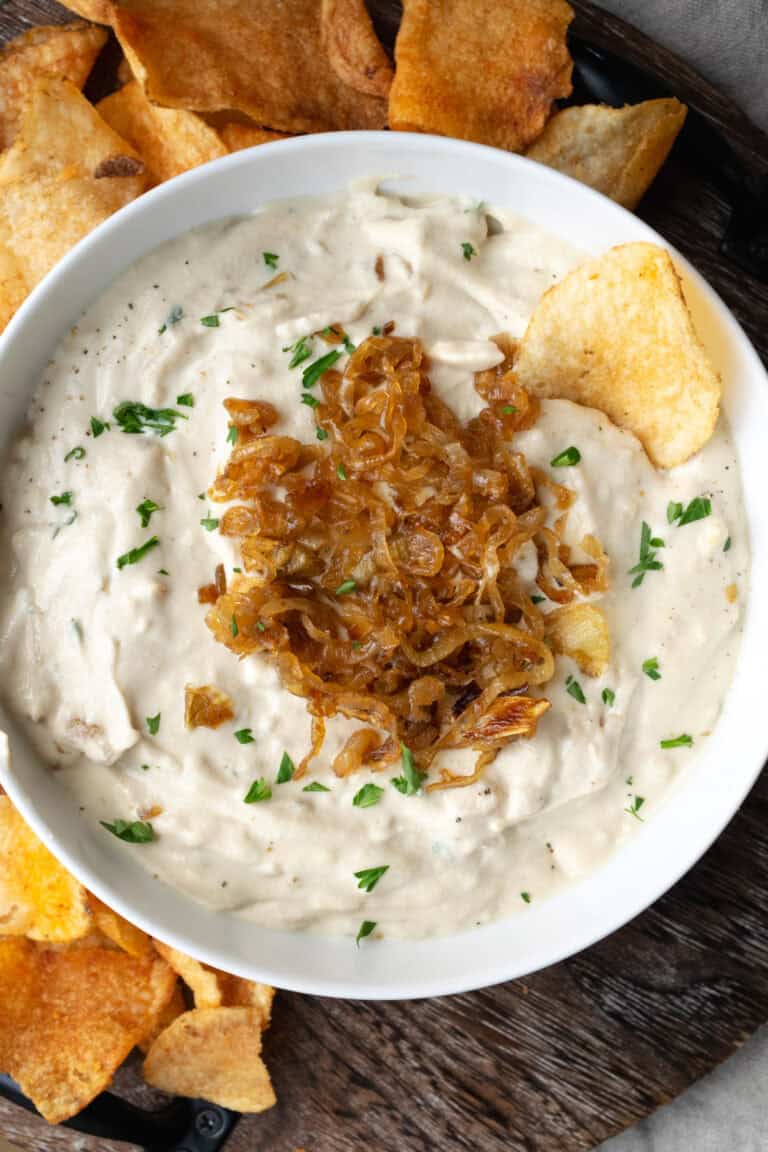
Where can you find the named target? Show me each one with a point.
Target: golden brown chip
(616, 334)
(13, 286)
(214, 989)
(127, 936)
(99, 11)
(238, 134)
(68, 1018)
(38, 898)
(353, 48)
(581, 632)
(67, 51)
(206, 706)
(618, 151)
(480, 70)
(169, 140)
(49, 196)
(175, 1006)
(262, 58)
(213, 1053)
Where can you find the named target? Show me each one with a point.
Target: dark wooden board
(569, 1056)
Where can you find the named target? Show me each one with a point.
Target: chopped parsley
(259, 623)
(211, 321)
(674, 511)
(78, 629)
(312, 374)
(286, 770)
(368, 795)
(573, 688)
(270, 259)
(341, 472)
(163, 572)
(349, 347)
(364, 930)
(508, 410)
(136, 554)
(609, 697)
(346, 587)
(186, 400)
(698, 509)
(237, 569)
(172, 318)
(525, 896)
(368, 878)
(74, 454)
(301, 350)
(315, 786)
(321, 434)
(153, 724)
(538, 599)
(727, 545)
(232, 435)
(244, 736)
(136, 418)
(233, 626)
(210, 523)
(310, 400)
(651, 668)
(98, 426)
(132, 831)
(634, 807)
(647, 561)
(682, 741)
(257, 792)
(65, 498)
(145, 510)
(411, 780)
(375, 331)
(468, 250)
(566, 459)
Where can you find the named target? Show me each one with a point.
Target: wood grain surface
(569, 1056)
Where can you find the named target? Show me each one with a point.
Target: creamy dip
(90, 651)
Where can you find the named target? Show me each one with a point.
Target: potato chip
(67, 51)
(127, 936)
(263, 59)
(214, 1053)
(49, 195)
(616, 334)
(38, 898)
(353, 47)
(214, 989)
(168, 140)
(100, 11)
(68, 1018)
(238, 134)
(13, 286)
(617, 151)
(175, 1006)
(480, 70)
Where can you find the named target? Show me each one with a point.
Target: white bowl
(706, 796)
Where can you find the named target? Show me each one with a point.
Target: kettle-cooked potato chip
(169, 140)
(353, 48)
(51, 193)
(100, 11)
(263, 59)
(616, 334)
(69, 1018)
(67, 51)
(214, 989)
(126, 935)
(13, 286)
(213, 1053)
(238, 134)
(618, 151)
(479, 69)
(175, 1006)
(38, 898)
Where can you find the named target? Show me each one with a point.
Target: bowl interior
(705, 797)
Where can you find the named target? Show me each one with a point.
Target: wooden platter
(570, 1056)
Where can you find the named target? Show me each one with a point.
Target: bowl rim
(488, 961)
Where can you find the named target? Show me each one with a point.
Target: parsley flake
(211, 321)
(651, 668)
(286, 770)
(65, 498)
(682, 741)
(136, 418)
(341, 472)
(368, 878)
(321, 434)
(526, 896)
(368, 795)
(257, 792)
(508, 410)
(698, 509)
(132, 832)
(233, 626)
(674, 511)
(468, 250)
(301, 350)
(270, 259)
(153, 724)
(609, 697)
(315, 786)
(312, 374)
(210, 523)
(346, 587)
(538, 599)
(145, 510)
(364, 930)
(727, 545)
(647, 561)
(172, 318)
(310, 400)
(634, 807)
(98, 426)
(573, 688)
(186, 400)
(232, 434)
(244, 736)
(566, 459)
(74, 454)
(136, 554)
(411, 780)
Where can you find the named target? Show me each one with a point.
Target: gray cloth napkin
(727, 42)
